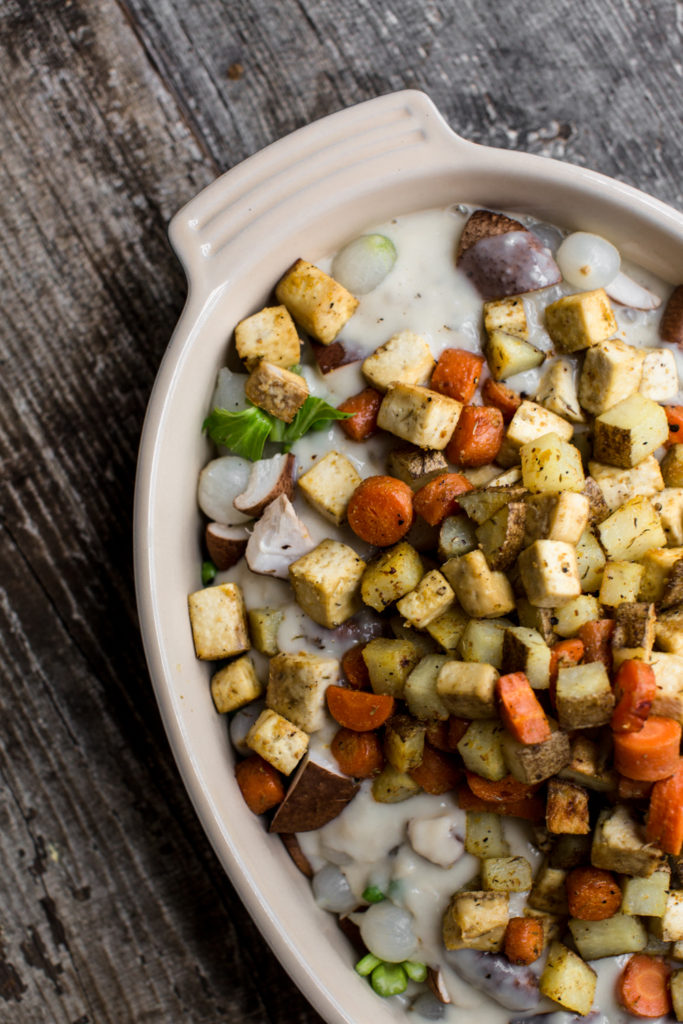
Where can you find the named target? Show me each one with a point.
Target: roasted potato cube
(631, 531)
(502, 536)
(575, 613)
(553, 924)
(276, 390)
(456, 537)
(578, 321)
(551, 465)
(418, 414)
(620, 844)
(669, 631)
(326, 582)
(620, 583)
(669, 504)
(658, 566)
(269, 334)
(507, 354)
(481, 750)
(278, 741)
(532, 421)
(540, 619)
(566, 809)
(676, 986)
(668, 670)
(406, 358)
(506, 315)
(535, 762)
(481, 592)
(506, 874)
(389, 663)
(482, 640)
(468, 689)
(525, 650)
(235, 685)
(483, 503)
(550, 573)
(587, 766)
(420, 693)
(669, 927)
(328, 486)
(590, 560)
(318, 303)
(477, 913)
(659, 379)
(568, 980)
(264, 625)
(404, 741)
(598, 507)
(611, 937)
(634, 631)
(219, 623)
(646, 897)
(422, 642)
(672, 466)
(618, 485)
(557, 391)
(611, 371)
(584, 697)
(392, 786)
(448, 628)
(549, 891)
(431, 598)
(396, 572)
(484, 835)
(296, 687)
(415, 466)
(629, 431)
(569, 517)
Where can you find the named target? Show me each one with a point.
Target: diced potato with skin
(576, 613)
(421, 642)
(481, 750)
(326, 582)
(506, 874)
(404, 741)
(482, 640)
(482, 504)
(277, 741)
(405, 357)
(676, 987)
(620, 844)
(468, 689)
(618, 485)
(389, 663)
(613, 936)
(478, 912)
(539, 619)
(536, 762)
(660, 377)
(219, 623)
(502, 536)
(392, 786)
(669, 504)
(392, 575)
(551, 465)
(318, 303)
(484, 835)
(668, 671)
(269, 334)
(611, 371)
(591, 561)
(449, 627)
(646, 897)
(482, 592)
(598, 507)
(672, 593)
(629, 431)
(420, 693)
(620, 583)
(430, 599)
(587, 766)
(532, 421)
(568, 980)
(566, 808)
(672, 466)
(669, 631)
(456, 537)
(549, 890)
(508, 355)
(525, 650)
(634, 631)
(415, 466)
(631, 531)
(557, 391)
(276, 390)
(419, 415)
(578, 321)
(506, 315)
(235, 685)
(328, 486)
(550, 573)
(584, 697)
(297, 685)
(568, 516)
(264, 624)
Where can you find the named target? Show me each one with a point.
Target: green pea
(415, 971)
(389, 979)
(373, 894)
(209, 571)
(367, 964)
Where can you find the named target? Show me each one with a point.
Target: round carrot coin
(380, 511)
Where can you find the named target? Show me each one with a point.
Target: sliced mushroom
(278, 539)
(268, 479)
(331, 357)
(225, 544)
(627, 292)
(437, 984)
(671, 327)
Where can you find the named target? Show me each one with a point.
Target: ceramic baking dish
(305, 196)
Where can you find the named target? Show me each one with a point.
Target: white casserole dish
(305, 196)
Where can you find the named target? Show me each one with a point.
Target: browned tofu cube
(583, 696)
(566, 809)
(269, 334)
(317, 302)
(276, 390)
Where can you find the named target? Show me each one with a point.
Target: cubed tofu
(297, 685)
(532, 421)
(484, 835)
(672, 466)
(631, 531)
(568, 980)
(670, 928)
(587, 766)
(507, 355)
(612, 936)
(389, 663)
(581, 320)
(550, 573)
(501, 537)
(276, 390)
(668, 672)
(477, 912)
(318, 303)
(611, 371)
(557, 391)
(468, 689)
(269, 334)
(420, 693)
(536, 762)
(620, 844)
(392, 786)
(620, 583)
(669, 504)
(575, 613)
(430, 599)
(449, 627)
(646, 897)
(551, 465)
(660, 377)
(482, 592)
(235, 685)
(584, 697)
(326, 583)
(328, 486)
(415, 466)
(566, 809)
(219, 623)
(481, 749)
(277, 741)
(549, 890)
(590, 560)
(482, 640)
(264, 626)
(629, 431)
(506, 315)
(419, 415)
(392, 575)
(506, 874)
(404, 740)
(618, 485)
(406, 358)
(525, 650)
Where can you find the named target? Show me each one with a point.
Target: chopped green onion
(209, 571)
(367, 964)
(415, 971)
(389, 979)
(373, 894)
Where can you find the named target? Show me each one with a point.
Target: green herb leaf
(244, 432)
(314, 414)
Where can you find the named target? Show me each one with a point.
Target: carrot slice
(260, 784)
(507, 789)
(635, 689)
(358, 754)
(438, 499)
(504, 398)
(354, 668)
(380, 511)
(477, 437)
(597, 641)
(665, 816)
(592, 894)
(650, 754)
(643, 986)
(457, 374)
(437, 772)
(364, 408)
(520, 711)
(674, 414)
(523, 940)
(531, 809)
(358, 710)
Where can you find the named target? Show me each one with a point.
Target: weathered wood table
(113, 907)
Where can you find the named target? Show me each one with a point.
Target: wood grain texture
(113, 907)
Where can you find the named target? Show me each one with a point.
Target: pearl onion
(387, 931)
(332, 891)
(364, 263)
(588, 261)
